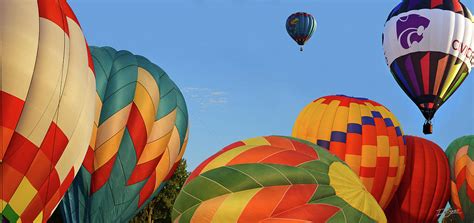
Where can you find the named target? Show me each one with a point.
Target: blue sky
(242, 75)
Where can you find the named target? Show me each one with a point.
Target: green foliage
(159, 209)
(450, 216)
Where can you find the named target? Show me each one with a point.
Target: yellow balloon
(364, 134)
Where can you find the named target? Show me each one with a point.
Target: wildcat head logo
(410, 29)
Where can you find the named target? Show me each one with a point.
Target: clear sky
(243, 76)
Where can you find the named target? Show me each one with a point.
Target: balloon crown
(301, 13)
(358, 98)
(422, 1)
(431, 3)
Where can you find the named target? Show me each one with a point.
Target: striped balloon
(274, 179)
(140, 136)
(424, 189)
(461, 160)
(429, 48)
(364, 134)
(47, 105)
(301, 26)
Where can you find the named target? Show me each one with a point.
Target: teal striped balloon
(140, 135)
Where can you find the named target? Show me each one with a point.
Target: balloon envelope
(363, 133)
(424, 190)
(47, 90)
(300, 26)
(429, 48)
(461, 160)
(274, 179)
(140, 135)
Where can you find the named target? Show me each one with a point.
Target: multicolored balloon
(424, 190)
(274, 179)
(429, 48)
(47, 106)
(139, 138)
(301, 26)
(364, 134)
(461, 160)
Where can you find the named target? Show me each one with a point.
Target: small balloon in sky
(301, 26)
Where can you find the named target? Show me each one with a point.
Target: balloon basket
(301, 49)
(428, 128)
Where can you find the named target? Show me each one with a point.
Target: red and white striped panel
(47, 95)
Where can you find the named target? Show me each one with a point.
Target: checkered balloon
(364, 134)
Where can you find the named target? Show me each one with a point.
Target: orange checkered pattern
(364, 134)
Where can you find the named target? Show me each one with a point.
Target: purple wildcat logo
(410, 29)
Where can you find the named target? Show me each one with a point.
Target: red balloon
(424, 190)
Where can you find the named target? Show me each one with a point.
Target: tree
(450, 216)
(159, 209)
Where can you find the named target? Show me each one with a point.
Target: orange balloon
(424, 189)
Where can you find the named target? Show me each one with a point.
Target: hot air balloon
(461, 160)
(274, 179)
(141, 126)
(363, 133)
(47, 90)
(429, 48)
(424, 190)
(301, 26)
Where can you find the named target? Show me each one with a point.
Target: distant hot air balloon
(429, 48)
(301, 26)
(274, 179)
(424, 190)
(140, 136)
(364, 134)
(461, 160)
(47, 106)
